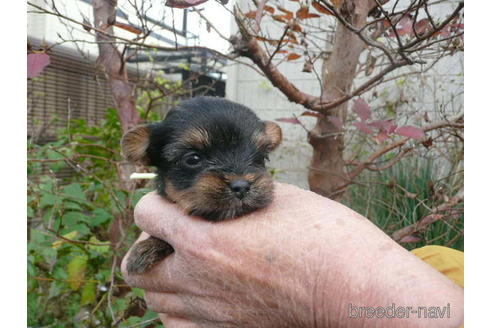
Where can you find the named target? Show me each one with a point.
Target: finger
(170, 303)
(176, 322)
(167, 221)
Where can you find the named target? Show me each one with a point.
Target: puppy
(210, 158)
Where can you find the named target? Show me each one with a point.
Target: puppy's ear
(273, 134)
(134, 145)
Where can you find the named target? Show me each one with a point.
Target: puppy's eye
(192, 160)
(260, 160)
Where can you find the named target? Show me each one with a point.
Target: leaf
(270, 9)
(405, 26)
(101, 216)
(98, 249)
(313, 114)
(293, 56)
(88, 294)
(304, 13)
(381, 137)
(71, 235)
(280, 18)
(74, 190)
(296, 27)
(422, 26)
(36, 64)
(386, 126)
(47, 200)
(129, 28)
(72, 218)
(76, 271)
(362, 109)
(292, 120)
(288, 14)
(184, 3)
(363, 127)
(251, 14)
(410, 239)
(320, 8)
(410, 131)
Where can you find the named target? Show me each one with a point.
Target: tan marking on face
(251, 177)
(134, 144)
(270, 138)
(199, 196)
(196, 137)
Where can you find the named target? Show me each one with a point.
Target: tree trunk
(327, 170)
(124, 97)
(114, 65)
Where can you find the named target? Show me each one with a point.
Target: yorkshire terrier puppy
(210, 158)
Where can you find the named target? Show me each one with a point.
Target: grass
(404, 194)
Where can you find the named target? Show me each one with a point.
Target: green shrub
(73, 274)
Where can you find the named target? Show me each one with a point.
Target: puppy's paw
(147, 253)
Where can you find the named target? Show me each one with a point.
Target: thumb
(167, 221)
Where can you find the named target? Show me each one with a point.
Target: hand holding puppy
(300, 262)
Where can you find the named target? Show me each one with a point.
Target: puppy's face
(210, 156)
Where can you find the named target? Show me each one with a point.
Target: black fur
(201, 147)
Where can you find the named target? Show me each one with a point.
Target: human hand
(300, 262)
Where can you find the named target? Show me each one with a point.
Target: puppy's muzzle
(239, 188)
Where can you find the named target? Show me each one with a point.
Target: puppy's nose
(239, 188)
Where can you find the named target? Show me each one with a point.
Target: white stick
(146, 176)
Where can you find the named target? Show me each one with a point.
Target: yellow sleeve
(448, 261)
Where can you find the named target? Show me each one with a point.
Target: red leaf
(381, 137)
(379, 124)
(251, 14)
(410, 131)
(292, 120)
(410, 239)
(270, 9)
(422, 26)
(304, 13)
(391, 128)
(405, 26)
(313, 114)
(128, 28)
(36, 63)
(336, 121)
(184, 3)
(288, 14)
(280, 18)
(385, 126)
(321, 8)
(296, 27)
(293, 56)
(362, 109)
(363, 127)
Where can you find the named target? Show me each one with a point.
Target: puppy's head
(210, 157)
